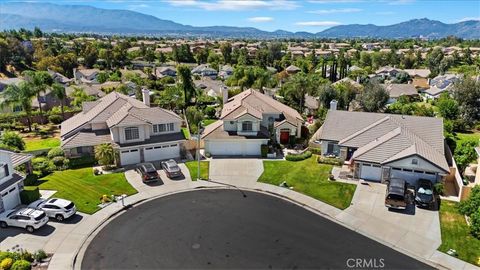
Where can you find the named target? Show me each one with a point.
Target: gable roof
(396, 90)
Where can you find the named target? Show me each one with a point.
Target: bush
(21, 265)
(330, 161)
(210, 112)
(6, 263)
(12, 139)
(61, 163)
(315, 150)
(43, 165)
(439, 188)
(264, 150)
(29, 194)
(30, 180)
(55, 152)
(475, 224)
(55, 119)
(27, 256)
(299, 157)
(40, 255)
(81, 162)
(5, 254)
(472, 204)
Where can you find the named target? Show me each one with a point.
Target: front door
(284, 136)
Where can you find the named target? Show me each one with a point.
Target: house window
(247, 126)
(3, 170)
(131, 133)
(415, 161)
(159, 128)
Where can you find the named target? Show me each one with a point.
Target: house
(213, 88)
(59, 78)
(396, 90)
(380, 146)
(205, 71)
(161, 72)
(439, 85)
(138, 132)
(292, 69)
(419, 77)
(85, 75)
(4, 83)
(91, 90)
(11, 182)
(225, 72)
(387, 72)
(249, 120)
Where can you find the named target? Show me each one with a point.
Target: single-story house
(380, 146)
(396, 90)
(161, 72)
(85, 75)
(205, 70)
(249, 120)
(11, 182)
(419, 77)
(138, 132)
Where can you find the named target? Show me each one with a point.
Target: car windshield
(173, 167)
(425, 191)
(395, 197)
(40, 217)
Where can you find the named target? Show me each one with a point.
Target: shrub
(6, 263)
(5, 254)
(61, 163)
(21, 265)
(472, 204)
(55, 119)
(29, 194)
(264, 150)
(210, 112)
(27, 256)
(475, 224)
(329, 161)
(298, 157)
(81, 162)
(439, 188)
(30, 180)
(315, 150)
(40, 255)
(207, 154)
(42, 165)
(12, 139)
(55, 152)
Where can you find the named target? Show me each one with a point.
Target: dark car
(148, 172)
(395, 196)
(171, 168)
(424, 196)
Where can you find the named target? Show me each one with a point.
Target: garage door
(371, 172)
(412, 176)
(161, 152)
(234, 148)
(128, 157)
(10, 198)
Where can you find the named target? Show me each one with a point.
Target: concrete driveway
(240, 172)
(416, 230)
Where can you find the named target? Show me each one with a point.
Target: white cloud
(260, 19)
(332, 11)
(318, 23)
(234, 5)
(469, 19)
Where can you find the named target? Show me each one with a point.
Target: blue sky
(307, 15)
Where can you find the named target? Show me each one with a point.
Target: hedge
(264, 150)
(315, 150)
(82, 162)
(330, 161)
(298, 157)
(29, 194)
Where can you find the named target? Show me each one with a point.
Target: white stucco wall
(422, 164)
(7, 159)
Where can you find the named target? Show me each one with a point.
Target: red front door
(284, 136)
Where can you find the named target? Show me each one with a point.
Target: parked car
(171, 168)
(395, 196)
(28, 218)
(58, 209)
(148, 172)
(424, 196)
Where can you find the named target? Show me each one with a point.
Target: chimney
(146, 96)
(333, 105)
(224, 94)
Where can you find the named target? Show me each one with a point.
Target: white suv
(59, 209)
(28, 218)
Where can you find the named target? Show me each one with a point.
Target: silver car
(58, 209)
(171, 168)
(28, 218)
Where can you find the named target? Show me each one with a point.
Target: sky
(292, 15)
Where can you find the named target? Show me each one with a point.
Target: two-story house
(249, 120)
(11, 182)
(138, 132)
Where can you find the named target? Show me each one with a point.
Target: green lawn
(33, 144)
(193, 168)
(467, 136)
(84, 188)
(207, 122)
(310, 178)
(456, 234)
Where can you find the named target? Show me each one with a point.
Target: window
(131, 133)
(247, 126)
(159, 128)
(415, 161)
(3, 170)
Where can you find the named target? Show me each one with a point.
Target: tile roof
(396, 90)
(216, 131)
(424, 73)
(88, 138)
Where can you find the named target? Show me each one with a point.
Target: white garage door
(371, 172)
(161, 152)
(248, 148)
(412, 176)
(128, 157)
(11, 198)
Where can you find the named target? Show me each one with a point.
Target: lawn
(84, 188)
(186, 133)
(310, 178)
(193, 168)
(36, 143)
(207, 122)
(467, 136)
(456, 234)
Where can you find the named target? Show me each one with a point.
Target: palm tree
(297, 87)
(105, 154)
(39, 81)
(19, 95)
(186, 83)
(262, 78)
(59, 92)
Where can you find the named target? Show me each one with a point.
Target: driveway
(416, 230)
(240, 172)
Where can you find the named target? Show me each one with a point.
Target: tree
(105, 154)
(58, 91)
(471, 207)
(79, 96)
(201, 56)
(296, 88)
(226, 50)
(374, 97)
(13, 140)
(465, 153)
(326, 93)
(39, 81)
(433, 61)
(20, 95)
(447, 107)
(262, 78)
(171, 98)
(90, 55)
(214, 60)
(467, 93)
(345, 93)
(184, 77)
(194, 116)
(37, 32)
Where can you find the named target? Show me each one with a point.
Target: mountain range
(87, 19)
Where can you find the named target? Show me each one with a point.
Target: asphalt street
(221, 229)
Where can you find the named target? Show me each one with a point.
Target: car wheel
(30, 229)
(3, 224)
(59, 217)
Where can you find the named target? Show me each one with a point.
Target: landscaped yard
(37, 143)
(467, 136)
(84, 188)
(193, 169)
(207, 122)
(456, 234)
(310, 178)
